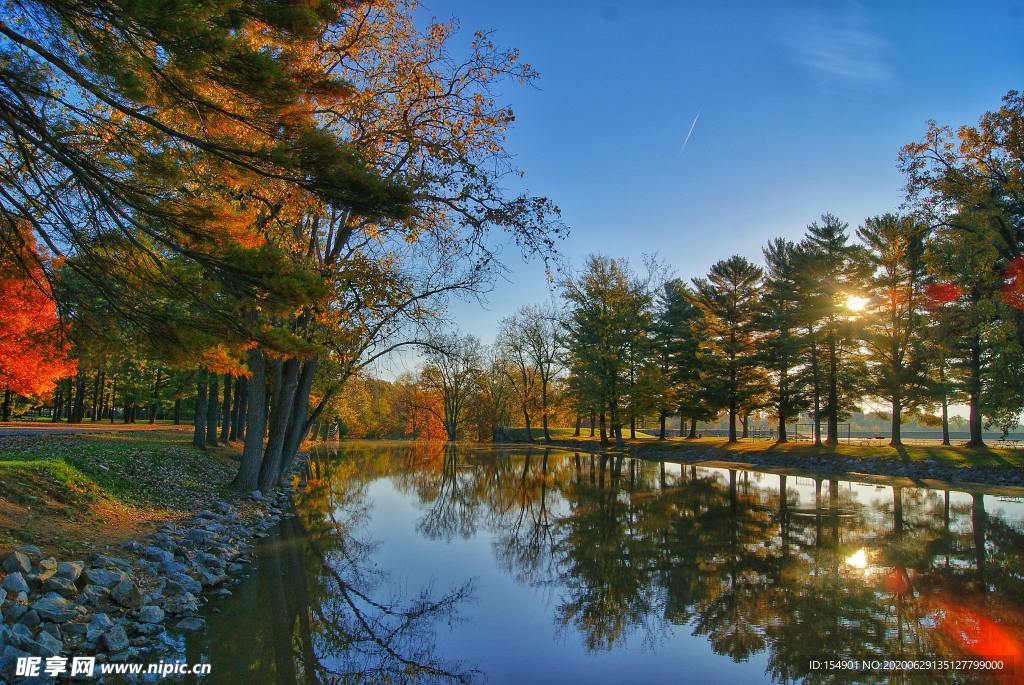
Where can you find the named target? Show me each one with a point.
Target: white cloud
(837, 46)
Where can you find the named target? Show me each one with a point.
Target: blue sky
(802, 109)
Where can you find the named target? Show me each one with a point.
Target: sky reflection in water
(421, 562)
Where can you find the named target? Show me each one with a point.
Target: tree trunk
(632, 427)
(236, 404)
(664, 418)
(5, 412)
(833, 394)
(255, 420)
(544, 411)
(95, 395)
(78, 409)
(817, 392)
(974, 392)
(579, 424)
(895, 422)
(746, 425)
(284, 399)
(782, 430)
(225, 411)
(693, 429)
(604, 433)
(212, 407)
(97, 414)
(177, 411)
(199, 421)
(593, 421)
(243, 407)
(732, 421)
(298, 423)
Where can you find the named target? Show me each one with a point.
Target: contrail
(689, 133)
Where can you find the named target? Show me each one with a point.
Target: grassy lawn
(949, 455)
(62, 490)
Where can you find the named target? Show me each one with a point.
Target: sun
(855, 303)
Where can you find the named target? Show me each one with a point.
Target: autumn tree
(728, 299)
(781, 345)
(451, 371)
(894, 332)
(33, 350)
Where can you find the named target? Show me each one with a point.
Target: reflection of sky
(510, 631)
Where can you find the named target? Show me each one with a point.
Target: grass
(64, 490)
(959, 456)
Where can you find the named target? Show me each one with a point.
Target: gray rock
(182, 603)
(9, 658)
(192, 624)
(156, 554)
(149, 629)
(55, 609)
(126, 593)
(15, 582)
(172, 566)
(48, 564)
(106, 561)
(101, 621)
(115, 640)
(70, 570)
(75, 629)
(48, 645)
(93, 594)
(52, 629)
(180, 582)
(61, 585)
(3, 595)
(151, 614)
(20, 635)
(30, 619)
(17, 562)
(14, 611)
(31, 550)
(103, 577)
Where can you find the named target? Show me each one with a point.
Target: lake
(420, 562)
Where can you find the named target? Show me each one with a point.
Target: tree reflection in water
(787, 567)
(320, 611)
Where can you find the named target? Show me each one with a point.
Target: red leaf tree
(33, 354)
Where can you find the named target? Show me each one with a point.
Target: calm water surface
(425, 562)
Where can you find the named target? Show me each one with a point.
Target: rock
(256, 495)
(126, 593)
(101, 620)
(9, 658)
(52, 629)
(156, 554)
(48, 564)
(182, 603)
(151, 614)
(75, 629)
(105, 561)
(14, 611)
(170, 567)
(180, 582)
(60, 585)
(208, 579)
(30, 619)
(116, 640)
(103, 577)
(17, 562)
(149, 629)
(3, 595)
(31, 550)
(54, 608)
(48, 645)
(70, 570)
(192, 624)
(20, 636)
(93, 594)
(15, 582)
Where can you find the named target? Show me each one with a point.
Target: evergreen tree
(728, 297)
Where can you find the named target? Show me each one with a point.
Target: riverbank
(933, 463)
(113, 541)
(74, 494)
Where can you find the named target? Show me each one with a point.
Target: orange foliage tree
(33, 354)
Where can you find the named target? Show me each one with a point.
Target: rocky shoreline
(124, 607)
(823, 465)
